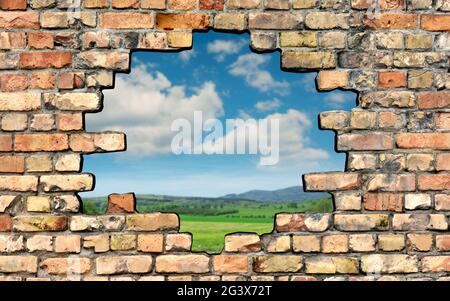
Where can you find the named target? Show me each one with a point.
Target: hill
(294, 193)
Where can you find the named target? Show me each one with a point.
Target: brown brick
(13, 4)
(230, 264)
(392, 79)
(151, 243)
(125, 20)
(212, 4)
(125, 3)
(421, 242)
(369, 141)
(5, 223)
(434, 100)
(12, 164)
(124, 203)
(182, 21)
(393, 21)
(434, 182)
(435, 22)
(40, 40)
(383, 202)
(43, 60)
(332, 181)
(41, 142)
(423, 141)
(13, 82)
(70, 122)
(335, 244)
(5, 143)
(23, 20)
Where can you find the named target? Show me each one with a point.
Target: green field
(209, 220)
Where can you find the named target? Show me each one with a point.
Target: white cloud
(268, 105)
(144, 106)
(187, 55)
(249, 66)
(223, 48)
(308, 82)
(294, 142)
(336, 99)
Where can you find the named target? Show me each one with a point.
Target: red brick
(383, 202)
(393, 21)
(182, 21)
(369, 141)
(434, 182)
(126, 20)
(13, 4)
(13, 82)
(443, 121)
(41, 142)
(125, 3)
(121, 203)
(43, 60)
(423, 141)
(435, 22)
(23, 20)
(182, 4)
(40, 40)
(5, 143)
(443, 242)
(392, 79)
(12, 164)
(70, 122)
(443, 162)
(434, 100)
(5, 223)
(212, 4)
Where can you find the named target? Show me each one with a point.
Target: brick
(38, 163)
(421, 162)
(40, 40)
(13, 82)
(326, 20)
(18, 183)
(69, 121)
(114, 60)
(95, 3)
(443, 243)
(332, 181)
(335, 244)
(70, 162)
(152, 222)
(391, 264)
(442, 202)
(18, 264)
(122, 242)
(391, 79)
(39, 223)
(434, 182)
(419, 42)
(277, 244)
(332, 40)
(298, 222)
(434, 100)
(403, 99)
(38, 204)
(178, 242)
(361, 222)
(179, 39)
(363, 119)
(242, 243)
(391, 182)
(362, 242)
(12, 40)
(109, 265)
(124, 203)
(308, 60)
(40, 142)
(43, 80)
(40, 243)
(417, 201)
(230, 264)
(435, 264)
(419, 222)
(73, 101)
(277, 264)
(12, 164)
(435, 22)
(100, 243)
(6, 201)
(20, 101)
(66, 266)
(347, 201)
(230, 21)
(369, 141)
(125, 3)
(182, 264)
(391, 242)
(42, 122)
(277, 21)
(182, 21)
(334, 120)
(423, 141)
(331, 265)
(19, 20)
(151, 243)
(11, 243)
(182, 4)
(420, 79)
(5, 223)
(393, 21)
(216, 5)
(243, 3)
(13, 4)
(298, 39)
(68, 244)
(44, 60)
(306, 243)
(383, 202)
(330, 80)
(77, 182)
(362, 162)
(421, 242)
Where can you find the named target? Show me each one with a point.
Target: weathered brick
(152, 222)
(68, 244)
(242, 243)
(18, 264)
(182, 264)
(151, 243)
(391, 182)
(442, 202)
(392, 79)
(383, 201)
(109, 265)
(391, 264)
(73, 101)
(44, 60)
(12, 164)
(230, 264)
(332, 181)
(124, 203)
(18, 183)
(277, 264)
(331, 265)
(5, 223)
(114, 60)
(13, 4)
(391, 242)
(335, 244)
(40, 142)
(182, 21)
(393, 21)
(123, 242)
(308, 60)
(39, 223)
(66, 266)
(435, 264)
(19, 20)
(230, 21)
(302, 222)
(306, 243)
(361, 222)
(326, 20)
(77, 182)
(434, 100)
(435, 22)
(434, 182)
(100, 243)
(178, 242)
(38, 204)
(368, 141)
(421, 242)
(362, 242)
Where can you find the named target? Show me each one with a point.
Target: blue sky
(223, 78)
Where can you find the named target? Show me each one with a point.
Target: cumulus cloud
(293, 139)
(249, 67)
(308, 82)
(268, 105)
(224, 48)
(187, 55)
(144, 105)
(337, 99)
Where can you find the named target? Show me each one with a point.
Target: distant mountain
(295, 193)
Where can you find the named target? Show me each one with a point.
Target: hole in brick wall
(214, 194)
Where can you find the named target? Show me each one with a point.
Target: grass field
(209, 220)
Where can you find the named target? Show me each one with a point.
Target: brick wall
(391, 204)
